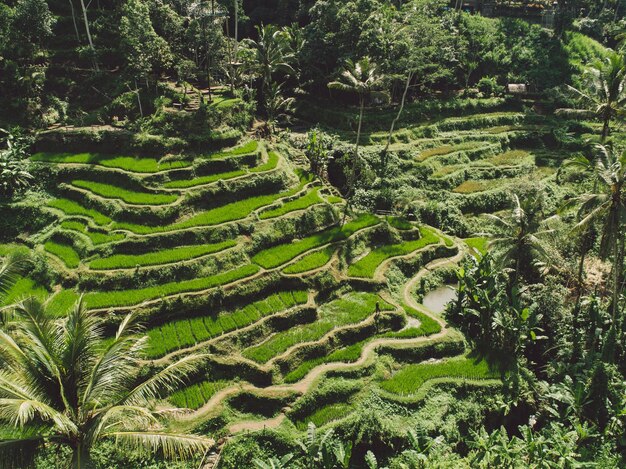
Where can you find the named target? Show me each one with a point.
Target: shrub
(122, 261)
(488, 86)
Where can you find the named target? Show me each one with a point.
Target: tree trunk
(383, 155)
(352, 177)
(91, 46)
(606, 127)
(618, 265)
(236, 26)
(138, 99)
(74, 20)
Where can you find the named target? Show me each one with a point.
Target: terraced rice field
(241, 254)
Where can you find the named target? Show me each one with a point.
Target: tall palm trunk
(383, 155)
(355, 159)
(606, 126)
(618, 265)
(88, 31)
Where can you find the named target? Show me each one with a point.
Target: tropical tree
(63, 384)
(276, 104)
(603, 90)
(323, 452)
(274, 463)
(272, 53)
(14, 174)
(605, 206)
(10, 269)
(362, 78)
(518, 237)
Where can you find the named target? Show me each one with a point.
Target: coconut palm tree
(10, 270)
(63, 384)
(606, 206)
(363, 79)
(604, 91)
(272, 53)
(518, 237)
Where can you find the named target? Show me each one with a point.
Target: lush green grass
(195, 396)
(351, 309)
(278, 255)
(187, 332)
(131, 197)
(64, 252)
(127, 163)
(333, 199)
(509, 158)
(95, 236)
(473, 186)
(271, 163)
(311, 261)
(410, 378)
(311, 198)
(400, 223)
(366, 266)
(325, 415)
(478, 243)
(69, 207)
(23, 288)
(352, 353)
(95, 300)
(245, 149)
(181, 253)
(446, 149)
(60, 304)
(185, 183)
(226, 213)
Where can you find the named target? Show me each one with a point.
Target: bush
(489, 87)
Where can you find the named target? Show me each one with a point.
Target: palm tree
(10, 270)
(363, 79)
(63, 384)
(276, 104)
(518, 239)
(606, 206)
(604, 90)
(272, 53)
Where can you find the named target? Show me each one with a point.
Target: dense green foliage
(282, 186)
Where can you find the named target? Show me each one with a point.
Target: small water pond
(437, 299)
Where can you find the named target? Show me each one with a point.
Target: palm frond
(171, 445)
(166, 380)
